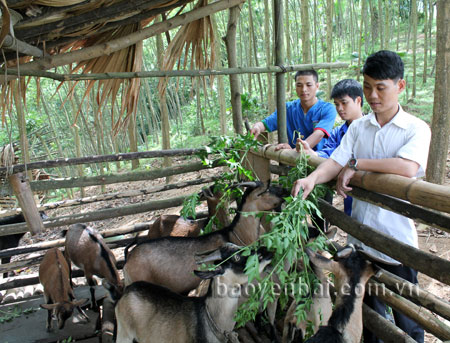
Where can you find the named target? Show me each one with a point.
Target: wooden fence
(428, 204)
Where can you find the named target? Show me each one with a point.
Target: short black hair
(384, 65)
(307, 72)
(349, 87)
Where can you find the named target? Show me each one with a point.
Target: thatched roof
(59, 26)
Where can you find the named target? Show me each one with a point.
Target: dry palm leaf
(125, 60)
(196, 37)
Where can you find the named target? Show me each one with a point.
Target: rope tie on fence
(283, 68)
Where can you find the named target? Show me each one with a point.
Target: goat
(174, 225)
(151, 313)
(351, 272)
(58, 295)
(169, 261)
(12, 241)
(321, 307)
(86, 248)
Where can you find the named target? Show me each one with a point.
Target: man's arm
(396, 165)
(325, 172)
(314, 138)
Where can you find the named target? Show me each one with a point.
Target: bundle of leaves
(287, 240)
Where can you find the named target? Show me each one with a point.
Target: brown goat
(169, 261)
(175, 225)
(58, 295)
(151, 313)
(86, 248)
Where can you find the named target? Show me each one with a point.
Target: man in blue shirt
(306, 117)
(348, 98)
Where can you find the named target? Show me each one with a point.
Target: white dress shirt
(404, 136)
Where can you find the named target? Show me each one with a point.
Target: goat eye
(236, 258)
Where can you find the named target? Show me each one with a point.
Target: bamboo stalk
(112, 196)
(418, 192)
(97, 159)
(97, 215)
(416, 313)
(109, 179)
(414, 293)
(176, 73)
(422, 261)
(383, 328)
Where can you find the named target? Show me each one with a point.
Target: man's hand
(307, 184)
(257, 129)
(343, 180)
(282, 146)
(306, 147)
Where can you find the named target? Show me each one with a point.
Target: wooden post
(280, 80)
(24, 195)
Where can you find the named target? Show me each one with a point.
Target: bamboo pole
(97, 215)
(416, 313)
(112, 196)
(417, 213)
(413, 293)
(176, 73)
(436, 197)
(109, 179)
(383, 328)
(98, 159)
(278, 8)
(422, 261)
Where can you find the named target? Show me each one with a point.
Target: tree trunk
(288, 48)
(220, 83)
(306, 40)
(380, 24)
(414, 45)
(425, 43)
(387, 24)
(315, 30)
(330, 5)
(267, 46)
(278, 10)
(440, 125)
(363, 11)
(235, 85)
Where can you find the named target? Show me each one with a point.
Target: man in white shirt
(388, 140)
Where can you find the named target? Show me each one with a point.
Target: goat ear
(208, 274)
(49, 306)
(331, 233)
(346, 252)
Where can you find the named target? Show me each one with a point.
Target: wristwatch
(353, 163)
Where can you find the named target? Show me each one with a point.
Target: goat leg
(91, 282)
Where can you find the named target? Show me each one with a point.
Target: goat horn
(208, 256)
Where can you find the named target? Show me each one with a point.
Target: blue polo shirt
(321, 116)
(332, 143)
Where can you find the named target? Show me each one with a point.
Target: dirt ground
(431, 240)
